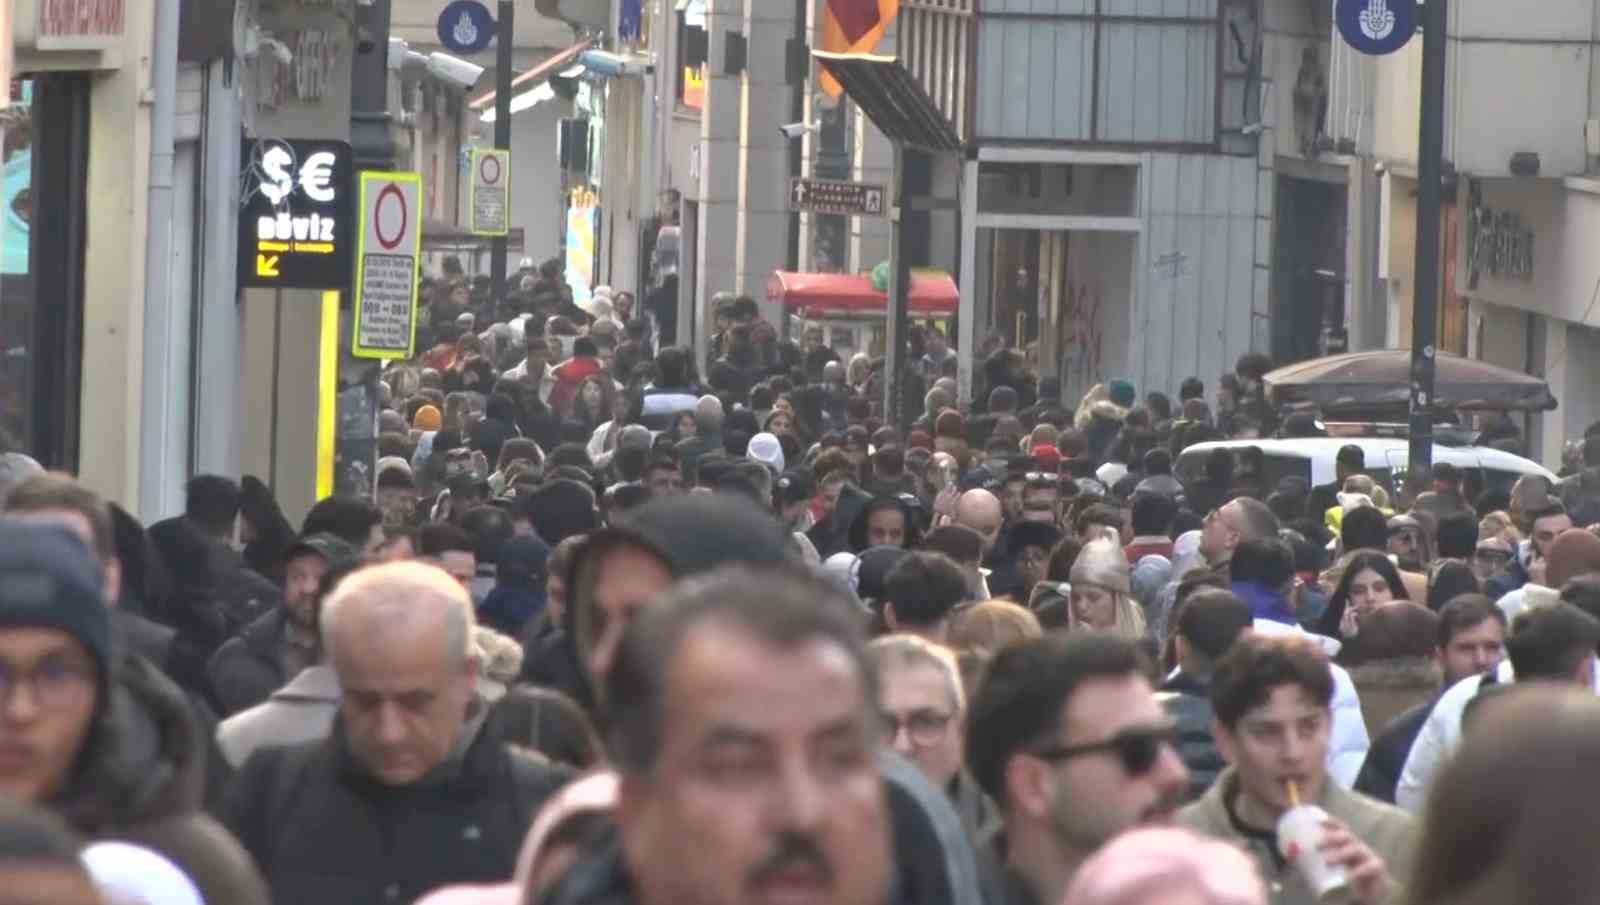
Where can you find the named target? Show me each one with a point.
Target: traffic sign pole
(502, 132)
(1430, 168)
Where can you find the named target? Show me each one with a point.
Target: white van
(1312, 459)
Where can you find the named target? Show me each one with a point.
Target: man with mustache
(745, 738)
(1067, 737)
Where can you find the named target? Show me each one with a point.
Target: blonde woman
(1102, 594)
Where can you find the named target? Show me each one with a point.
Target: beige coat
(302, 711)
(1385, 829)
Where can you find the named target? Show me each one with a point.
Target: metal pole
(898, 322)
(502, 128)
(1430, 157)
(372, 147)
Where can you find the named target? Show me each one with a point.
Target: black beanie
(49, 579)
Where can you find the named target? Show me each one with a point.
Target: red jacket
(569, 376)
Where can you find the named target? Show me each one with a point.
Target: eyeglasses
(1494, 556)
(54, 683)
(1137, 749)
(925, 727)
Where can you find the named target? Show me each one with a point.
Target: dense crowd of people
(613, 631)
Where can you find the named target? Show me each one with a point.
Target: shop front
(1528, 271)
(76, 148)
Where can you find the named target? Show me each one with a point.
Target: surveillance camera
(793, 131)
(454, 70)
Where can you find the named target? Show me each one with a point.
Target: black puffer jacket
(322, 830)
(141, 778)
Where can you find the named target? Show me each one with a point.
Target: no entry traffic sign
(387, 256)
(491, 192)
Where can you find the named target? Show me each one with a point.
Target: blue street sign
(1376, 27)
(466, 27)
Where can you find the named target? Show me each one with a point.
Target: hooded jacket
(323, 830)
(690, 534)
(141, 778)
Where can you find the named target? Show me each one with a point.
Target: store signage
(295, 222)
(829, 196)
(81, 24)
(1376, 27)
(465, 26)
(1498, 244)
(385, 293)
(491, 192)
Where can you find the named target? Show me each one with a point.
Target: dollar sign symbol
(275, 163)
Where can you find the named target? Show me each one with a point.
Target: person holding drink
(1313, 841)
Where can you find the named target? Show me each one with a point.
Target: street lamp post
(506, 23)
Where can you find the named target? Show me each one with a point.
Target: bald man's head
(400, 638)
(980, 510)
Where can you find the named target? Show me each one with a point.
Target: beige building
(1522, 212)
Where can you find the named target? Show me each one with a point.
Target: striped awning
(892, 99)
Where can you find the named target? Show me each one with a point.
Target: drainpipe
(159, 424)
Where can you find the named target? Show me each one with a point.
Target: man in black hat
(275, 648)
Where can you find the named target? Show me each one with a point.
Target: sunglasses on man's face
(1137, 749)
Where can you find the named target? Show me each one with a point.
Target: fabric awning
(821, 294)
(542, 71)
(892, 99)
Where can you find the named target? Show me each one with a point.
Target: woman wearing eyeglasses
(1102, 596)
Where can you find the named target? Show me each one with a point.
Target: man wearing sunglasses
(1273, 698)
(1067, 737)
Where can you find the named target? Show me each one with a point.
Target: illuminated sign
(296, 223)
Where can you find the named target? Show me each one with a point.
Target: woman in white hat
(1102, 598)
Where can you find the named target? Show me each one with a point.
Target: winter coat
(302, 711)
(323, 830)
(691, 534)
(1187, 701)
(1387, 757)
(249, 668)
(1386, 830)
(1394, 686)
(141, 778)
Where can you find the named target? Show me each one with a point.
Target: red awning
(819, 294)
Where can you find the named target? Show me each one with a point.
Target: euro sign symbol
(279, 183)
(466, 33)
(1377, 20)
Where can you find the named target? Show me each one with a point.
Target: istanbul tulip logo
(1377, 20)
(466, 33)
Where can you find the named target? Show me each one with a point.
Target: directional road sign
(830, 196)
(387, 259)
